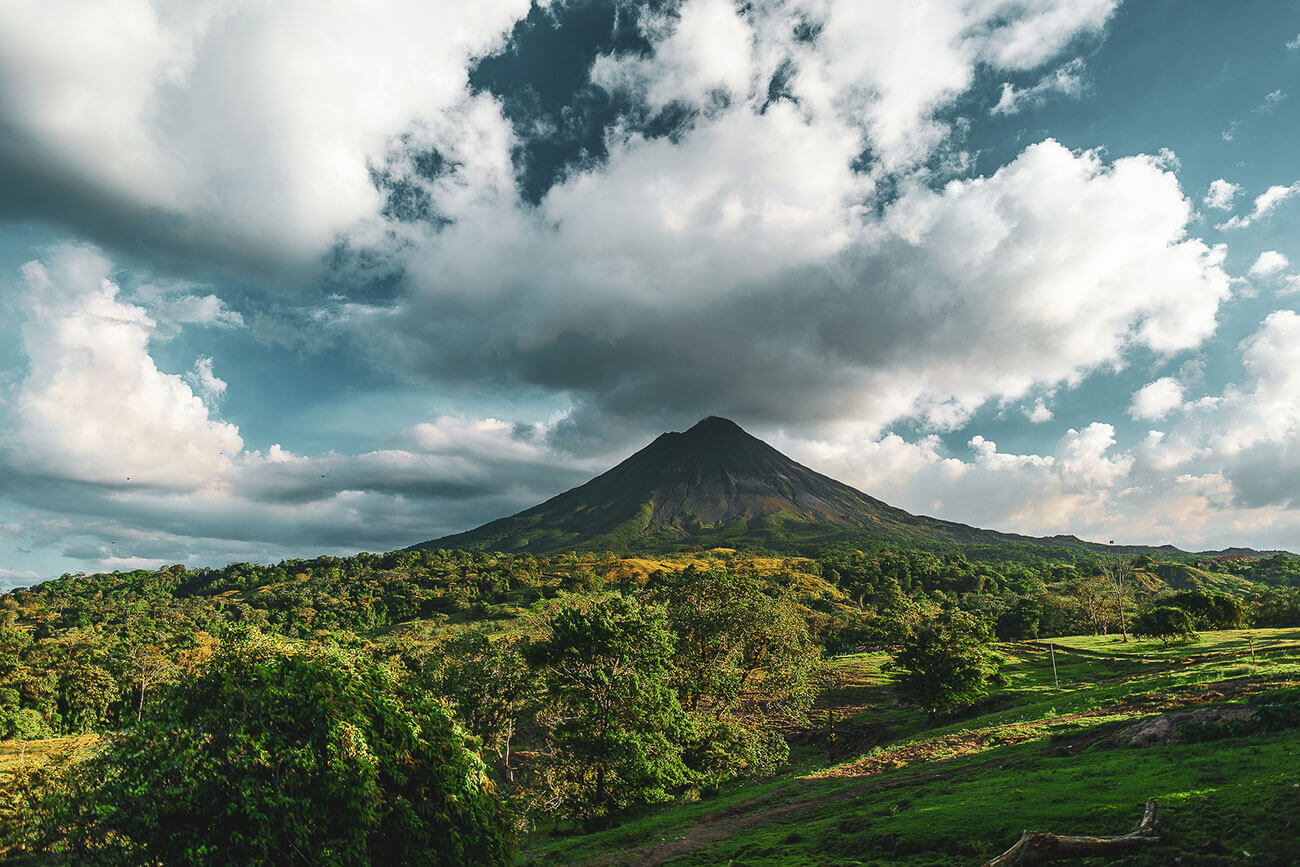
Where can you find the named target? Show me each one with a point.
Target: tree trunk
(1039, 848)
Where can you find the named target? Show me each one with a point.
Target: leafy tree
(489, 683)
(1166, 622)
(1096, 602)
(277, 755)
(1208, 610)
(946, 663)
(17, 721)
(1020, 620)
(742, 668)
(615, 724)
(1278, 608)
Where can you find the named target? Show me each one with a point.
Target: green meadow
(1036, 755)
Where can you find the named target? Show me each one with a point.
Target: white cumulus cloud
(1155, 400)
(1221, 195)
(241, 130)
(94, 406)
(1268, 263)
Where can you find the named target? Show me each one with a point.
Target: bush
(275, 755)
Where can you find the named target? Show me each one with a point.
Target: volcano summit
(715, 485)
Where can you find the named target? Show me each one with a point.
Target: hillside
(1208, 732)
(774, 730)
(717, 486)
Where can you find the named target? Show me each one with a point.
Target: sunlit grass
(1037, 755)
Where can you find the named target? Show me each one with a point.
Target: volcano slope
(717, 486)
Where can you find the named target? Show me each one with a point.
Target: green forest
(449, 707)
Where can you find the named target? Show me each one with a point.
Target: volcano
(716, 485)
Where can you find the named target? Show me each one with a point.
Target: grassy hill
(881, 784)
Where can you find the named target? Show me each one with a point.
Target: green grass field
(890, 786)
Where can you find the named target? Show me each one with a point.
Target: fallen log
(1039, 848)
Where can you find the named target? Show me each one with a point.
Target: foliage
(278, 754)
(489, 683)
(615, 724)
(1096, 603)
(1166, 622)
(1020, 621)
(946, 664)
(1278, 607)
(742, 666)
(1208, 610)
(920, 793)
(92, 653)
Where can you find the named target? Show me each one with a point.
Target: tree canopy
(946, 663)
(279, 754)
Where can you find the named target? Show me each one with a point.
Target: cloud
(238, 131)
(1293, 44)
(1155, 400)
(892, 65)
(1224, 473)
(207, 385)
(13, 578)
(1039, 413)
(881, 69)
(453, 473)
(1074, 486)
(1265, 203)
(1221, 195)
(114, 463)
(703, 53)
(1268, 263)
(1068, 80)
(797, 248)
(715, 274)
(1271, 101)
(94, 406)
(171, 311)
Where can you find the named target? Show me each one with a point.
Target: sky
(286, 279)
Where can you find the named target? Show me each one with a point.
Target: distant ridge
(716, 485)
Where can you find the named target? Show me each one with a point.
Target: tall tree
(615, 724)
(1118, 570)
(489, 682)
(742, 668)
(1094, 596)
